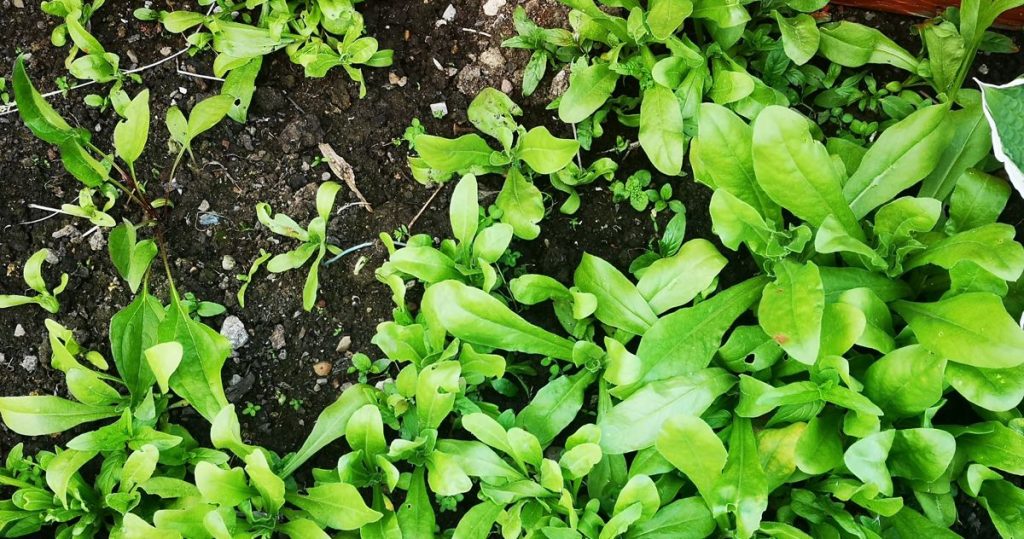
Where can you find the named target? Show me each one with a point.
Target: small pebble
(228, 263)
(344, 344)
(204, 205)
(439, 110)
(30, 363)
(323, 368)
(19, 331)
(209, 219)
(277, 337)
(234, 331)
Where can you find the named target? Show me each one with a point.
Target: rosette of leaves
(313, 238)
(524, 154)
(318, 36)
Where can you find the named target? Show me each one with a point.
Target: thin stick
(348, 251)
(425, 206)
(198, 76)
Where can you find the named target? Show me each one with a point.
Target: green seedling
(317, 36)
(87, 209)
(636, 189)
(33, 275)
(523, 155)
(313, 238)
(246, 278)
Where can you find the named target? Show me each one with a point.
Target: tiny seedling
(313, 238)
(246, 278)
(638, 191)
(33, 274)
(251, 409)
(87, 209)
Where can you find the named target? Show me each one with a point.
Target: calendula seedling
(313, 238)
(318, 36)
(246, 278)
(524, 155)
(33, 274)
(87, 208)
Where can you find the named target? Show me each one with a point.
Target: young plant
(315, 35)
(472, 256)
(636, 189)
(33, 275)
(313, 238)
(523, 155)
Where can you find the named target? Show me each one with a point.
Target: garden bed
(279, 376)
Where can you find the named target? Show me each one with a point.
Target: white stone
(234, 331)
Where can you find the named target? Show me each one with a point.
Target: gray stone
(234, 331)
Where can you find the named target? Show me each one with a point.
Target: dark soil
(270, 159)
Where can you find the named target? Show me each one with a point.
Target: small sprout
(33, 275)
(314, 238)
(251, 409)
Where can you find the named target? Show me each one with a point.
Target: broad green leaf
(676, 280)
(478, 521)
(978, 199)
(130, 134)
(329, 426)
(721, 155)
(902, 156)
(792, 309)
(467, 153)
(38, 115)
(619, 303)
(521, 204)
(850, 44)
(240, 83)
(971, 142)
(436, 389)
(634, 423)
(1001, 448)
(208, 113)
(134, 527)
(61, 470)
(777, 450)
(661, 130)
(724, 13)
(555, 406)
(424, 263)
(302, 528)
(545, 153)
(687, 518)
(133, 330)
(921, 454)
(685, 341)
(1004, 501)
(464, 212)
(222, 487)
(588, 91)
(906, 381)
(820, 448)
(198, 379)
(800, 37)
(743, 487)
(664, 17)
(694, 449)
(493, 113)
(338, 506)
(796, 171)
(990, 246)
(416, 514)
(998, 390)
(365, 431)
(163, 359)
(39, 415)
(267, 483)
(478, 318)
(866, 459)
(973, 329)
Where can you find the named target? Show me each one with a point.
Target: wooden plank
(1013, 19)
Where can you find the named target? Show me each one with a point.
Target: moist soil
(212, 233)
